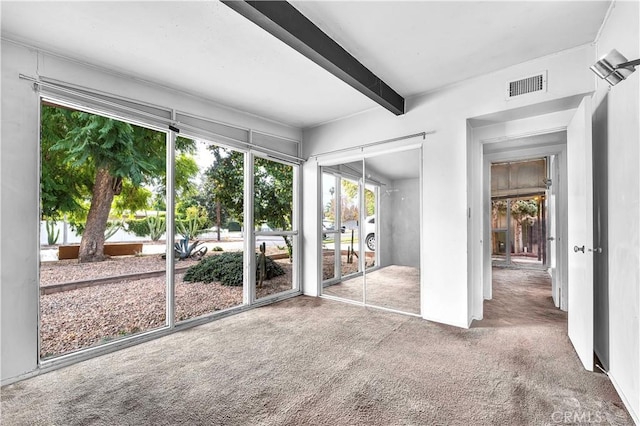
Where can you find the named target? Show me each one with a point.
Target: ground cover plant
(227, 268)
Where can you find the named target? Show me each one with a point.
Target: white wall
(445, 163)
(404, 216)
(19, 156)
(620, 124)
(384, 239)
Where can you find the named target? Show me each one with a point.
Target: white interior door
(552, 215)
(580, 233)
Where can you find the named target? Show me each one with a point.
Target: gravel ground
(81, 318)
(328, 270)
(70, 270)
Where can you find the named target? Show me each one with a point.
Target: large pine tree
(91, 156)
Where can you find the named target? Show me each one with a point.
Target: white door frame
(500, 133)
(515, 154)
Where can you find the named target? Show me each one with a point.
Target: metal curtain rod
(367, 145)
(79, 94)
(172, 124)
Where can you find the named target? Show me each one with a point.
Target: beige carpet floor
(395, 287)
(311, 361)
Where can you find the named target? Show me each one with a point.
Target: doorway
(519, 213)
(525, 208)
(567, 135)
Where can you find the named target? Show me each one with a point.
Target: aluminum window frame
(109, 108)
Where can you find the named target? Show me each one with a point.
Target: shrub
(218, 248)
(234, 227)
(137, 227)
(226, 268)
(76, 226)
(151, 226)
(110, 230)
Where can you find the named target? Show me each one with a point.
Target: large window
(103, 192)
(112, 266)
(276, 229)
(209, 223)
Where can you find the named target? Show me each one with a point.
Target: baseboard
(472, 319)
(625, 401)
(442, 321)
(20, 377)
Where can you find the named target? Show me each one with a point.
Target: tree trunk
(289, 244)
(92, 243)
(517, 237)
(218, 224)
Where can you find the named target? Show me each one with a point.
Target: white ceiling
(394, 166)
(205, 48)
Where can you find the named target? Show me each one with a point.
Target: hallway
(522, 296)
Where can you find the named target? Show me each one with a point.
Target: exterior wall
(445, 291)
(617, 120)
(20, 186)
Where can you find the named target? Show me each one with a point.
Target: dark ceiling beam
(285, 22)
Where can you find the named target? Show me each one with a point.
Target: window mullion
(249, 290)
(170, 228)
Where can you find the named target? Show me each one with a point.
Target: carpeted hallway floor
(310, 361)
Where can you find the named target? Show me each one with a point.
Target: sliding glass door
(371, 231)
(518, 213)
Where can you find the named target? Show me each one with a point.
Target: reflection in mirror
(329, 232)
(394, 281)
(341, 265)
(369, 229)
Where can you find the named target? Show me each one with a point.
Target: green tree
(523, 212)
(63, 188)
(350, 209)
(96, 158)
(273, 189)
(224, 182)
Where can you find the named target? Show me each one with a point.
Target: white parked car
(370, 232)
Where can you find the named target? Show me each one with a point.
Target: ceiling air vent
(526, 85)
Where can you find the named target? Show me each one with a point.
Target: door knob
(551, 238)
(596, 250)
(577, 249)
